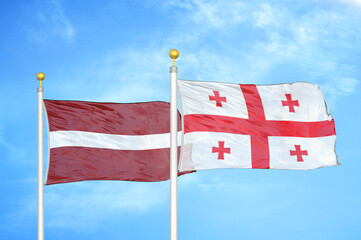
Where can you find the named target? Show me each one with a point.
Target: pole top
(173, 54)
(40, 76)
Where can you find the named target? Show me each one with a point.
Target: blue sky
(118, 51)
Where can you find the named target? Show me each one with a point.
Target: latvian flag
(108, 141)
(283, 126)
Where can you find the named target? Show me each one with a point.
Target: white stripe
(110, 141)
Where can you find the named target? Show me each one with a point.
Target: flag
(283, 126)
(108, 141)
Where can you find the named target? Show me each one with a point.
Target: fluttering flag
(108, 141)
(283, 126)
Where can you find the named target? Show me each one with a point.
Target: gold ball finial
(173, 54)
(40, 76)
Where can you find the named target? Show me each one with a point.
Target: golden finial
(173, 54)
(40, 76)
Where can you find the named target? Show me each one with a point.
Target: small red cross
(221, 150)
(290, 103)
(298, 153)
(217, 98)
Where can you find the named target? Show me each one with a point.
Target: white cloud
(52, 22)
(82, 206)
(135, 75)
(123, 75)
(348, 85)
(338, 87)
(306, 41)
(85, 204)
(267, 16)
(311, 41)
(210, 13)
(13, 151)
(352, 2)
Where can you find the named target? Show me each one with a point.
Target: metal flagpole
(173, 148)
(40, 76)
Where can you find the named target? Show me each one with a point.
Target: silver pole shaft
(173, 155)
(40, 91)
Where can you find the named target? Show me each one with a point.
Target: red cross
(298, 153)
(256, 126)
(217, 98)
(221, 150)
(290, 103)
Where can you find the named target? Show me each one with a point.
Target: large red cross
(291, 104)
(221, 150)
(257, 126)
(298, 153)
(217, 98)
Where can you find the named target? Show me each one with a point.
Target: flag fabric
(283, 126)
(108, 141)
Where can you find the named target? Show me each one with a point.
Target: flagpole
(173, 148)
(40, 76)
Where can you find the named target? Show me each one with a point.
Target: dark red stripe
(112, 118)
(214, 123)
(72, 164)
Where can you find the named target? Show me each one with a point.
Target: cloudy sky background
(118, 51)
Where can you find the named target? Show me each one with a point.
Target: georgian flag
(283, 126)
